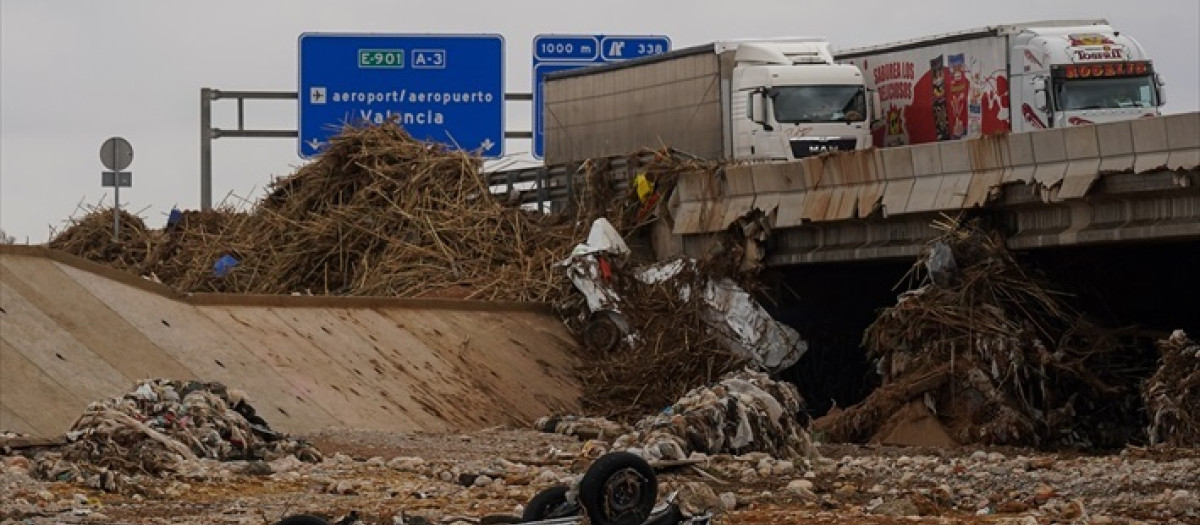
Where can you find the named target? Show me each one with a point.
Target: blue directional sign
(440, 88)
(553, 53)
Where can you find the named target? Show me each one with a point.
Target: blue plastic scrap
(174, 218)
(224, 265)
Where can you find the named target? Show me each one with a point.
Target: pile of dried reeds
(1172, 394)
(379, 213)
(995, 355)
(91, 237)
(183, 252)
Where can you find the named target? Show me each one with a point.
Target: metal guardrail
(556, 188)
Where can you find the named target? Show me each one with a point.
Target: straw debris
(1172, 394)
(994, 354)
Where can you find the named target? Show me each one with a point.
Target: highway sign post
(116, 154)
(552, 53)
(441, 88)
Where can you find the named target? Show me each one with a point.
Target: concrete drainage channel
(75, 332)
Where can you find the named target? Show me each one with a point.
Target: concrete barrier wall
(1064, 164)
(72, 332)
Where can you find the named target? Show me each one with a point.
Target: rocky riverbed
(446, 478)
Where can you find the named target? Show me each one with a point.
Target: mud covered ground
(397, 478)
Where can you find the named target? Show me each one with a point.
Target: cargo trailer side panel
(943, 89)
(616, 111)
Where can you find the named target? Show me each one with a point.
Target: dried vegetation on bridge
(984, 346)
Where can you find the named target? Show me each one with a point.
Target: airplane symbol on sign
(316, 95)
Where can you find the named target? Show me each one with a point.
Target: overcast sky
(77, 72)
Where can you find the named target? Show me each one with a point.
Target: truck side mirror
(1162, 89)
(876, 106)
(758, 108)
(1039, 94)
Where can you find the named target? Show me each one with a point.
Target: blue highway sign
(553, 53)
(440, 88)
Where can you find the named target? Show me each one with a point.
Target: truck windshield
(819, 104)
(1105, 93)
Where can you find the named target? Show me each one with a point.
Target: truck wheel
(549, 503)
(601, 334)
(302, 519)
(620, 488)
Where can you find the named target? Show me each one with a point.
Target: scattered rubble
(417, 477)
(1172, 394)
(164, 427)
(744, 412)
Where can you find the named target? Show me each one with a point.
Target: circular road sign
(116, 153)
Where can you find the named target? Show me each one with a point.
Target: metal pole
(541, 188)
(205, 149)
(116, 197)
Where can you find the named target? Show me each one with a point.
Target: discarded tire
(302, 519)
(620, 488)
(601, 333)
(549, 503)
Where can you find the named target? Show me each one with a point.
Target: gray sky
(73, 73)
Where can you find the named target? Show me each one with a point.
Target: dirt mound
(995, 355)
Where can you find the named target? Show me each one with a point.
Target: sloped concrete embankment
(72, 332)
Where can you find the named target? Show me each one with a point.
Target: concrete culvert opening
(831, 305)
(1057, 354)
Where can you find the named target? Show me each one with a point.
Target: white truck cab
(1081, 73)
(789, 100)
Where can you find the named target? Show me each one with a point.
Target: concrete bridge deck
(1108, 183)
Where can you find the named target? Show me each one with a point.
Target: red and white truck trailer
(1017, 77)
